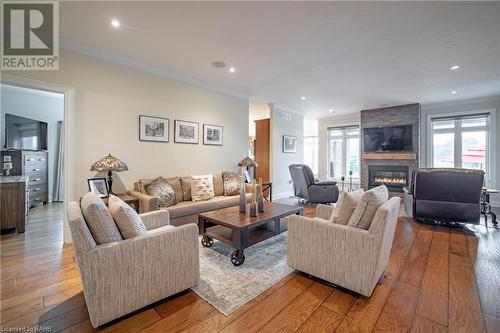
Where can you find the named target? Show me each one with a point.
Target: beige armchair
(121, 277)
(350, 257)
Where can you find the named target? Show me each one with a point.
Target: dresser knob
(36, 169)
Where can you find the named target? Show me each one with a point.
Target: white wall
(476, 104)
(41, 106)
(284, 123)
(109, 99)
(323, 125)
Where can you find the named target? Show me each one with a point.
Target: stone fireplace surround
(390, 116)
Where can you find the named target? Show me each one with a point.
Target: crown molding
(113, 58)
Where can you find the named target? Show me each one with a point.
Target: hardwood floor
(438, 279)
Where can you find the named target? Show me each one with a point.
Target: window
(311, 153)
(461, 142)
(343, 152)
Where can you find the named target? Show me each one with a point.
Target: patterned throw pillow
(232, 182)
(126, 218)
(141, 187)
(202, 187)
(162, 190)
(367, 206)
(345, 206)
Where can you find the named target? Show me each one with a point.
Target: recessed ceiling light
(115, 23)
(303, 98)
(454, 67)
(454, 92)
(232, 69)
(330, 110)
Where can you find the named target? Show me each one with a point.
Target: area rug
(227, 287)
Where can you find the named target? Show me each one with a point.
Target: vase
(260, 197)
(253, 203)
(243, 199)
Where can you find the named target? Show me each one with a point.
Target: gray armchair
(305, 186)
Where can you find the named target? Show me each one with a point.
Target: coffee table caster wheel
(237, 258)
(207, 241)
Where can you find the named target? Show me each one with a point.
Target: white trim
(491, 137)
(283, 196)
(69, 130)
(149, 69)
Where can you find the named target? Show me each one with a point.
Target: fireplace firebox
(394, 177)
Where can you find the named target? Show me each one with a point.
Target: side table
(486, 207)
(128, 199)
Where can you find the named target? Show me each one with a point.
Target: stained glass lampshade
(109, 163)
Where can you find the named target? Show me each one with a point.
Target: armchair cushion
(370, 201)
(99, 219)
(126, 218)
(345, 206)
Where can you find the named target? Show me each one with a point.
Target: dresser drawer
(37, 189)
(37, 179)
(38, 197)
(37, 172)
(34, 158)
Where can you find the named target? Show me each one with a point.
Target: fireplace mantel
(389, 156)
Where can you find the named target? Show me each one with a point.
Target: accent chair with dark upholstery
(447, 195)
(305, 186)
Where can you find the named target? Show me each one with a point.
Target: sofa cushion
(345, 206)
(232, 182)
(126, 218)
(99, 219)
(186, 188)
(367, 206)
(218, 185)
(162, 190)
(186, 208)
(202, 187)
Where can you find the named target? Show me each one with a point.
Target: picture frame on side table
(154, 129)
(99, 186)
(186, 132)
(289, 144)
(213, 135)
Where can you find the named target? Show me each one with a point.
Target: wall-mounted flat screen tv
(388, 138)
(24, 133)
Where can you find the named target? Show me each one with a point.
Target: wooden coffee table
(239, 230)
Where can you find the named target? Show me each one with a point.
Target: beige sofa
(350, 257)
(121, 277)
(186, 210)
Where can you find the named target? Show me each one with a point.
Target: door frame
(69, 130)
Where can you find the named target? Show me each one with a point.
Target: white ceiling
(344, 56)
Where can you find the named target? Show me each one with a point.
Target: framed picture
(289, 144)
(186, 132)
(212, 135)
(99, 186)
(153, 129)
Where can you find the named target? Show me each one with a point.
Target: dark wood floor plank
(399, 310)
(296, 313)
(423, 325)
(465, 313)
(321, 321)
(263, 312)
(433, 299)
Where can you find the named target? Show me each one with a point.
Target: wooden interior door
(262, 149)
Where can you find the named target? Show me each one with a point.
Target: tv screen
(24, 133)
(388, 138)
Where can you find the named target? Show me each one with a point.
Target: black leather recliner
(447, 195)
(305, 186)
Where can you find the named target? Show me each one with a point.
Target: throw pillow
(126, 218)
(99, 219)
(186, 188)
(345, 206)
(232, 182)
(175, 182)
(202, 187)
(367, 206)
(141, 186)
(218, 185)
(162, 190)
